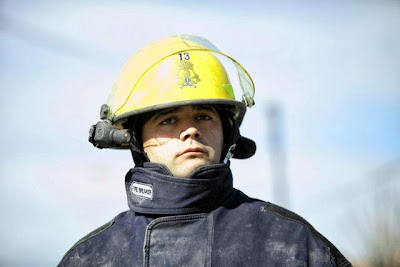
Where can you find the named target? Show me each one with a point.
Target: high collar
(152, 189)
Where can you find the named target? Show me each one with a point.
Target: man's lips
(192, 150)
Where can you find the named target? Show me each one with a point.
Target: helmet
(173, 71)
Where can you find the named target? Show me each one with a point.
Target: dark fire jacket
(200, 221)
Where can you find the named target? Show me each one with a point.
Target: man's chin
(189, 166)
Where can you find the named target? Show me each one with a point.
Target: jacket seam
(166, 211)
(89, 236)
(152, 224)
(314, 233)
(211, 237)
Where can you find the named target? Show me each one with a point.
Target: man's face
(184, 138)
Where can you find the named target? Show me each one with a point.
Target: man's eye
(168, 121)
(203, 117)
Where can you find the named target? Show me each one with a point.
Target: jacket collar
(152, 189)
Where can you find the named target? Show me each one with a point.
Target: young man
(176, 109)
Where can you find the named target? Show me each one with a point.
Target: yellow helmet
(179, 70)
(173, 71)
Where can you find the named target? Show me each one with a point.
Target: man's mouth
(193, 150)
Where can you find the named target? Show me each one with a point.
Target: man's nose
(190, 131)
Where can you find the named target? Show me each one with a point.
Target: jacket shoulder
(340, 260)
(89, 236)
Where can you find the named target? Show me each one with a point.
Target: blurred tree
(378, 226)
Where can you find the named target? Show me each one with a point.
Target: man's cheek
(156, 142)
(151, 143)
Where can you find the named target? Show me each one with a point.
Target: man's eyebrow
(166, 112)
(204, 107)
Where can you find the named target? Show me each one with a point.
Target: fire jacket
(200, 221)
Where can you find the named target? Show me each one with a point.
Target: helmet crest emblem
(186, 75)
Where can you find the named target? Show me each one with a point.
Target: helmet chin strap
(138, 155)
(231, 135)
(229, 155)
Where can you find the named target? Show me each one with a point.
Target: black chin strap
(138, 155)
(231, 135)
(235, 145)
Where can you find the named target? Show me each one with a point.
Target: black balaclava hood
(241, 147)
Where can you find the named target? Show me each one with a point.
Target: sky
(331, 68)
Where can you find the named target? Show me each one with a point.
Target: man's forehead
(180, 108)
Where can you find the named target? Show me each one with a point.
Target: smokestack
(277, 155)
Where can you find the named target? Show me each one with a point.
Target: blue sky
(332, 67)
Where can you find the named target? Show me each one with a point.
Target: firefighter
(177, 105)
